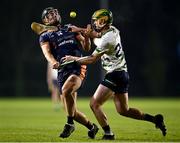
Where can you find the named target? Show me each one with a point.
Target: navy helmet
(51, 16)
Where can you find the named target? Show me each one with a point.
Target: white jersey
(114, 59)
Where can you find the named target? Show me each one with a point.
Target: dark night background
(150, 34)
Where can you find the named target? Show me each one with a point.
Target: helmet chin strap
(100, 24)
(100, 27)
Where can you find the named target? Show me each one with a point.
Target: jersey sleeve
(43, 38)
(102, 45)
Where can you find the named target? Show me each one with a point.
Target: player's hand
(89, 32)
(67, 58)
(56, 65)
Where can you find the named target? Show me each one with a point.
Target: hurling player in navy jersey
(55, 45)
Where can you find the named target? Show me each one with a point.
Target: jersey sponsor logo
(66, 42)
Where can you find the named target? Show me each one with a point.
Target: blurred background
(150, 34)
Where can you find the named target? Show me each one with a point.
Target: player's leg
(121, 103)
(56, 98)
(70, 86)
(53, 95)
(82, 119)
(70, 96)
(56, 95)
(63, 102)
(100, 96)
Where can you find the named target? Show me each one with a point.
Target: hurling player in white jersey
(116, 81)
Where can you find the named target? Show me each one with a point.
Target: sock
(89, 125)
(70, 120)
(149, 118)
(107, 129)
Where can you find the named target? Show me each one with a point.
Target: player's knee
(94, 105)
(66, 91)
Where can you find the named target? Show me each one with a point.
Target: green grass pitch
(34, 120)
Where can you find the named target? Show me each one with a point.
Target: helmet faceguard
(100, 19)
(51, 16)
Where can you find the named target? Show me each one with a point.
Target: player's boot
(68, 130)
(92, 133)
(108, 137)
(159, 122)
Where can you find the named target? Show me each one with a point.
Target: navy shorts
(117, 81)
(63, 74)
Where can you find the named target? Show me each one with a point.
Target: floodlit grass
(34, 120)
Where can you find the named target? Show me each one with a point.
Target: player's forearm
(87, 60)
(90, 59)
(87, 44)
(47, 53)
(50, 58)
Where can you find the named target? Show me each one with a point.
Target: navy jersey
(62, 42)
